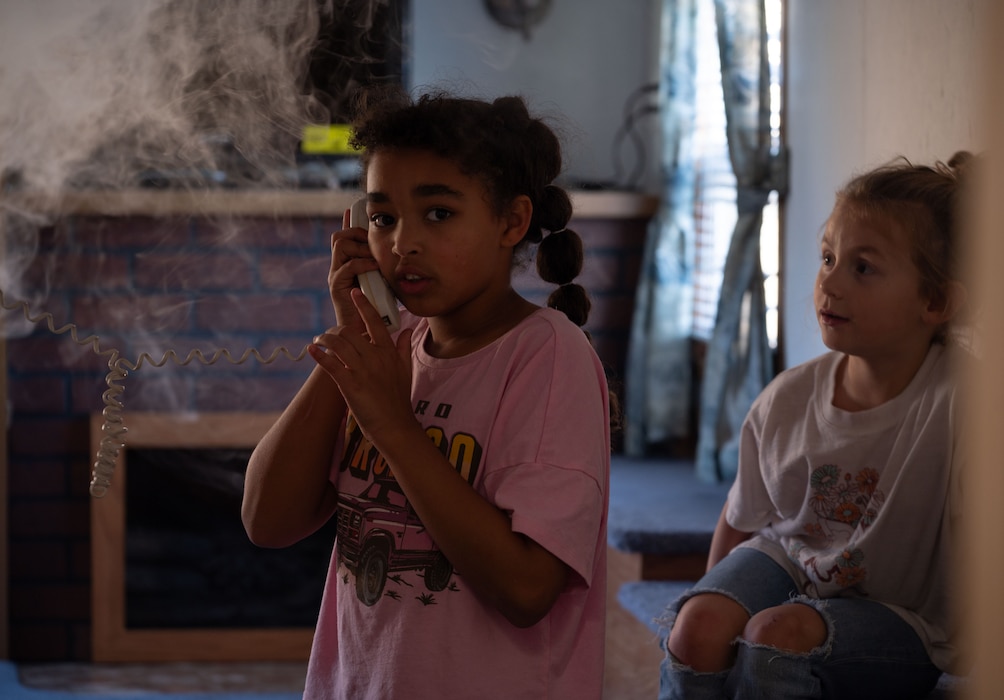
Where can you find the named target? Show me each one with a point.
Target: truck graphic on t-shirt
(379, 532)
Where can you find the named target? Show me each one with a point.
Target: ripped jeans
(869, 652)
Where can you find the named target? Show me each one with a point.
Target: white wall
(984, 522)
(868, 80)
(582, 62)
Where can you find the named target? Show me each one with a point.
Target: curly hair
(511, 152)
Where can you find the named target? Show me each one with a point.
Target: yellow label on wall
(327, 139)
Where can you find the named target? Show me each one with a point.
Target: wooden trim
(194, 202)
(276, 203)
(680, 567)
(613, 205)
(4, 497)
(111, 640)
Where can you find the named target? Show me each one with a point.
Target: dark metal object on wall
(518, 14)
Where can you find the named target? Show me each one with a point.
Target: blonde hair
(926, 200)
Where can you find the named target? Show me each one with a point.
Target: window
(715, 185)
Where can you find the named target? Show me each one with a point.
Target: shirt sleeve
(560, 509)
(749, 504)
(554, 477)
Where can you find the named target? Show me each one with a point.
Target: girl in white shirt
(830, 569)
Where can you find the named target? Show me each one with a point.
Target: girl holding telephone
(466, 453)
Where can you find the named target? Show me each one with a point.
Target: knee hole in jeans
(704, 630)
(792, 627)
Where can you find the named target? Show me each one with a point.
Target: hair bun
(959, 160)
(554, 208)
(961, 163)
(559, 257)
(573, 301)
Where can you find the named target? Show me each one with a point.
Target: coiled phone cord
(113, 428)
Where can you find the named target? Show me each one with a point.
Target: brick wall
(147, 284)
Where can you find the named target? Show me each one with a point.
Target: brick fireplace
(245, 273)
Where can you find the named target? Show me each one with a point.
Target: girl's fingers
(350, 257)
(343, 345)
(375, 326)
(345, 246)
(347, 272)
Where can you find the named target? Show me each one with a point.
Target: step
(662, 513)
(648, 600)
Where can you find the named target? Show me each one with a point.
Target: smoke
(101, 96)
(119, 94)
(96, 91)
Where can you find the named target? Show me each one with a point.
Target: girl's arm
(510, 571)
(724, 539)
(287, 493)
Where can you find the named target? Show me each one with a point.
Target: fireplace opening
(173, 574)
(188, 561)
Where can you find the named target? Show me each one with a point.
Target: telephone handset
(373, 285)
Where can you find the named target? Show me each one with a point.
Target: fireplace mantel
(273, 203)
(172, 261)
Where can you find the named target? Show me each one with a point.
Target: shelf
(271, 203)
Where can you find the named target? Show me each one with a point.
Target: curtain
(739, 362)
(658, 379)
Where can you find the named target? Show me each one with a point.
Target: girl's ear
(517, 221)
(943, 310)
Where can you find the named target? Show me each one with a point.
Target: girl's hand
(350, 257)
(373, 373)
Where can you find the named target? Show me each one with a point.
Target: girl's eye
(438, 214)
(827, 259)
(382, 220)
(863, 268)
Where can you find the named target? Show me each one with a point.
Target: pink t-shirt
(525, 420)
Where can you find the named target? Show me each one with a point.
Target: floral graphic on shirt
(846, 505)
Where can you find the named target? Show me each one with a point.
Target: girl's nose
(406, 240)
(828, 283)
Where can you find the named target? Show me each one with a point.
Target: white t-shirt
(859, 503)
(525, 420)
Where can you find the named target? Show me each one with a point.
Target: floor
(258, 677)
(631, 673)
(632, 654)
(632, 668)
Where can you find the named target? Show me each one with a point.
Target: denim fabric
(870, 651)
(679, 682)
